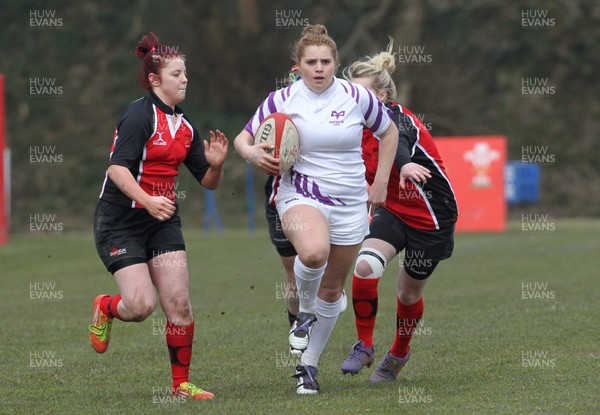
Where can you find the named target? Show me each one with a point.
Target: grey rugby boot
(389, 369)
(359, 357)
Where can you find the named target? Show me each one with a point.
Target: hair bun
(314, 30)
(386, 61)
(145, 45)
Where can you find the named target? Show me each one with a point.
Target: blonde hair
(379, 68)
(314, 35)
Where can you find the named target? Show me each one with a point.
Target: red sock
(408, 317)
(179, 342)
(108, 306)
(364, 301)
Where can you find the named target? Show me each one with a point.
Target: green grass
(467, 361)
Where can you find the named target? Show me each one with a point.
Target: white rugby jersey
(329, 168)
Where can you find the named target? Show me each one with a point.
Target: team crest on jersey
(337, 115)
(159, 141)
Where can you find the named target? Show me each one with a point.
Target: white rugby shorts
(348, 224)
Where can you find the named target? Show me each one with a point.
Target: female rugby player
(322, 200)
(136, 226)
(284, 247)
(418, 217)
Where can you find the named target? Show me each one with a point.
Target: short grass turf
(511, 326)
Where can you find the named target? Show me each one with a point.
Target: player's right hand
(160, 207)
(413, 171)
(261, 159)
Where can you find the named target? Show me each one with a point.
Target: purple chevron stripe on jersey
(304, 187)
(377, 122)
(301, 184)
(368, 113)
(248, 126)
(271, 102)
(353, 91)
(319, 197)
(261, 115)
(296, 179)
(285, 93)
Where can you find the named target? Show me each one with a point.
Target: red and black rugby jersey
(152, 145)
(430, 206)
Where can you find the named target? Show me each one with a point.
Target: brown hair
(154, 57)
(314, 35)
(379, 68)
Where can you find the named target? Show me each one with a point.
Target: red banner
(475, 166)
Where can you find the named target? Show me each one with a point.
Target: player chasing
(325, 190)
(418, 217)
(136, 225)
(284, 248)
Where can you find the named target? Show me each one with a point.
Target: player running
(322, 200)
(282, 244)
(136, 225)
(418, 217)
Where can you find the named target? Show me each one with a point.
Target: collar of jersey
(393, 108)
(324, 93)
(162, 106)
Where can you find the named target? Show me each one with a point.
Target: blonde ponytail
(379, 68)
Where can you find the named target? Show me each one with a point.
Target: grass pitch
(510, 327)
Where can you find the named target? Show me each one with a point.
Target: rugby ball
(279, 130)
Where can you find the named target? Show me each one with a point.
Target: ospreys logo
(337, 115)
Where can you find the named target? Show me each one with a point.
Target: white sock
(308, 281)
(327, 315)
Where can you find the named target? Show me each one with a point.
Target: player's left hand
(216, 150)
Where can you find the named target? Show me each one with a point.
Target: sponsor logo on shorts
(117, 251)
(291, 200)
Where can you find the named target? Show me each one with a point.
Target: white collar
(325, 93)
